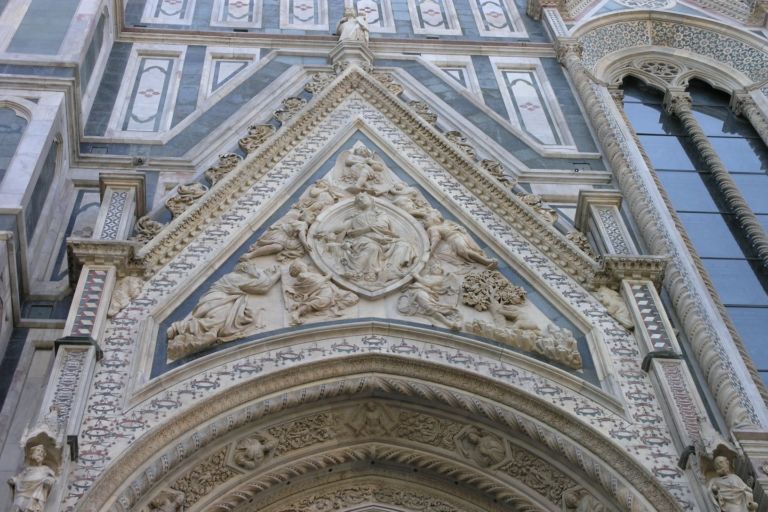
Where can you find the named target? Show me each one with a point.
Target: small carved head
(350, 12)
(364, 201)
(722, 465)
(37, 454)
(296, 268)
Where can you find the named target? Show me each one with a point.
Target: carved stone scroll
(226, 163)
(185, 196)
(257, 134)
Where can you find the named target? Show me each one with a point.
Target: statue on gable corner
(352, 27)
(32, 486)
(728, 491)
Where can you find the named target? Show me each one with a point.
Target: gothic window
(737, 274)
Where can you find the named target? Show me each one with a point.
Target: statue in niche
(456, 242)
(482, 447)
(225, 312)
(366, 246)
(252, 450)
(422, 298)
(287, 239)
(314, 293)
(32, 486)
(352, 27)
(615, 305)
(168, 500)
(728, 491)
(319, 196)
(362, 170)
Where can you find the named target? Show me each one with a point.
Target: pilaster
(122, 202)
(597, 213)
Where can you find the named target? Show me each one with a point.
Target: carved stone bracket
(615, 268)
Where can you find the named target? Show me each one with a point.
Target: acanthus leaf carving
(226, 163)
(250, 451)
(289, 108)
(537, 204)
(424, 111)
(460, 141)
(203, 478)
(496, 170)
(146, 229)
(257, 135)
(185, 196)
(318, 82)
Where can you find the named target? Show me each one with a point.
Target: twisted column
(719, 363)
(678, 103)
(743, 105)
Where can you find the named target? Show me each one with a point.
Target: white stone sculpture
(367, 245)
(409, 199)
(352, 27)
(319, 196)
(455, 241)
(483, 447)
(728, 491)
(422, 298)
(32, 486)
(617, 308)
(313, 293)
(167, 501)
(287, 239)
(370, 419)
(228, 311)
(362, 170)
(126, 289)
(251, 451)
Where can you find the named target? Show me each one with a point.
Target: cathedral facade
(383, 255)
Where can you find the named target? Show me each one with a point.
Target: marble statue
(287, 239)
(728, 491)
(126, 289)
(456, 241)
(364, 171)
(482, 447)
(32, 486)
(366, 245)
(409, 199)
(352, 27)
(167, 501)
(422, 298)
(249, 452)
(615, 305)
(227, 311)
(319, 196)
(312, 292)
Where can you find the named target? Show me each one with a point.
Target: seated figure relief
(358, 236)
(227, 311)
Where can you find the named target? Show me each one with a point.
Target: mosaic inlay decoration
(496, 18)
(149, 95)
(378, 13)
(530, 110)
(304, 14)
(433, 17)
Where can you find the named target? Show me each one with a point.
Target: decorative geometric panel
(378, 13)
(529, 109)
(459, 69)
(237, 13)
(174, 12)
(496, 18)
(149, 95)
(221, 68)
(304, 14)
(434, 17)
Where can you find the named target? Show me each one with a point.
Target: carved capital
(568, 48)
(677, 102)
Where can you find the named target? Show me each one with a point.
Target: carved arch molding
(375, 433)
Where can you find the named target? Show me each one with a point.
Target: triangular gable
(221, 199)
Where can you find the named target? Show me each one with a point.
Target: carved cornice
(157, 452)
(615, 268)
(117, 253)
(521, 217)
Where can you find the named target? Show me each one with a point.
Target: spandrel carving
(228, 310)
(451, 243)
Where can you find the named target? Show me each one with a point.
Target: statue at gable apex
(353, 27)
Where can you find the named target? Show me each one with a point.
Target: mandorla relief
(362, 243)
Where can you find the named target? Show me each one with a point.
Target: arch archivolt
(412, 416)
